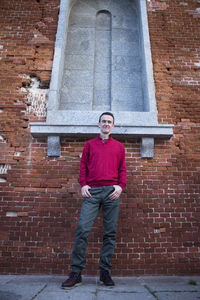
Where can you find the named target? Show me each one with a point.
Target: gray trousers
(89, 212)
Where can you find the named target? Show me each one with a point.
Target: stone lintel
(146, 133)
(157, 131)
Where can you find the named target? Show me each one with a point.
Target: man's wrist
(83, 184)
(121, 186)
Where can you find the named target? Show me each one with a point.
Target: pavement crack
(175, 291)
(151, 292)
(39, 292)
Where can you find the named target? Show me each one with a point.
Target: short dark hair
(107, 113)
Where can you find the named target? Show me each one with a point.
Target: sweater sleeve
(122, 169)
(83, 166)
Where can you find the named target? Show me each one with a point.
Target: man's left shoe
(105, 278)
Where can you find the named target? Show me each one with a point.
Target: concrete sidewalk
(17, 287)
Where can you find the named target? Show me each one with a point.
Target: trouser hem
(76, 270)
(104, 268)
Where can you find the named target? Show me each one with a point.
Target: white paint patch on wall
(195, 13)
(189, 81)
(17, 154)
(37, 98)
(197, 64)
(157, 5)
(2, 180)
(183, 3)
(4, 168)
(190, 64)
(1, 47)
(2, 139)
(12, 214)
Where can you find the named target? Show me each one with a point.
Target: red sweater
(103, 163)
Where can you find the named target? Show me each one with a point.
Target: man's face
(106, 124)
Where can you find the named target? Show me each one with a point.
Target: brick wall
(158, 230)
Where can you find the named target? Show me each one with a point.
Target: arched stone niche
(102, 62)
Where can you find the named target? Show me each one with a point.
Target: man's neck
(104, 136)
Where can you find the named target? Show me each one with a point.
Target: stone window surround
(128, 125)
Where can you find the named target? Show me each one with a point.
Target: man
(102, 178)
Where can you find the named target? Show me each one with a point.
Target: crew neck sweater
(103, 163)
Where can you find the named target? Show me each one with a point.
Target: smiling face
(106, 124)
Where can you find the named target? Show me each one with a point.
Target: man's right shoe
(74, 280)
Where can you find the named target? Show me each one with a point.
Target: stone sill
(146, 133)
(45, 129)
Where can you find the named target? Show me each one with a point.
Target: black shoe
(74, 279)
(105, 278)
